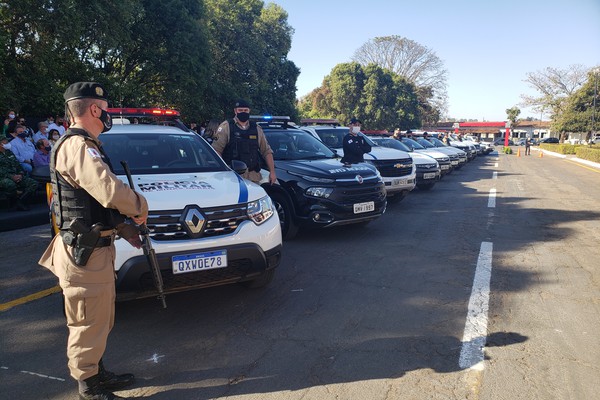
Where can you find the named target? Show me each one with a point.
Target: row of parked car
(208, 226)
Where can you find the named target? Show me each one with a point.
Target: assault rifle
(147, 246)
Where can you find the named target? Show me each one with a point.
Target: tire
(284, 209)
(261, 281)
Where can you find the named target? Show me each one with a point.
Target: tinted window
(165, 154)
(333, 137)
(296, 145)
(393, 144)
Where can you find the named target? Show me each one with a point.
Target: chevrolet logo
(194, 221)
(401, 165)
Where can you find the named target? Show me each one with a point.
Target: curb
(575, 159)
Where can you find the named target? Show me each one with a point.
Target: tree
(382, 99)
(579, 112)
(418, 64)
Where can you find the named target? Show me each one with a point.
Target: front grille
(426, 167)
(394, 168)
(361, 193)
(169, 225)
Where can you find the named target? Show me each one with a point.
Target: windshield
(433, 142)
(333, 137)
(392, 144)
(412, 144)
(296, 145)
(161, 153)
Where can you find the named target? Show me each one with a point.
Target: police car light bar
(270, 118)
(319, 121)
(142, 112)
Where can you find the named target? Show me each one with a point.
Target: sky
(487, 46)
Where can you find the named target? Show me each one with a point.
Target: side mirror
(239, 166)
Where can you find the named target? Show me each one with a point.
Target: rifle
(147, 246)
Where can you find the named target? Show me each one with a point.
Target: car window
(415, 145)
(437, 143)
(161, 153)
(296, 145)
(392, 143)
(333, 137)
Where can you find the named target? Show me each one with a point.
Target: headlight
(319, 192)
(260, 210)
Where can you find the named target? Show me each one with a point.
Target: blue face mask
(48, 148)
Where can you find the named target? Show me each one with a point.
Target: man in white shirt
(42, 132)
(58, 125)
(23, 148)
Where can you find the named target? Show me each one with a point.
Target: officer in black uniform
(239, 138)
(354, 145)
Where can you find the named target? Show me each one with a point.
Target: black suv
(314, 188)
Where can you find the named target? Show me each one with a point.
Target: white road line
(43, 376)
(495, 175)
(496, 165)
(492, 199)
(474, 337)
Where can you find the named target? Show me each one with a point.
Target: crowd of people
(22, 149)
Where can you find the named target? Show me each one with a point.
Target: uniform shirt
(221, 139)
(81, 164)
(9, 165)
(354, 146)
(23, 150)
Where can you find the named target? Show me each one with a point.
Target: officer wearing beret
(241, 139)
(90, 204)
(354, 145)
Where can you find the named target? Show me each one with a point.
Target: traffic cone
(541, 154)
(518, 152)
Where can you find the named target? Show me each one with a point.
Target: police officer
(240, 139)
(354, 145)
(90, 203)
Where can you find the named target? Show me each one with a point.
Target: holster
(83, 239)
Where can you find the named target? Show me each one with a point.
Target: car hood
(432, 153)
(207, 189)
(327, 168)
(419, 158)
(381, 153)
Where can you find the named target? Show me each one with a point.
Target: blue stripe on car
(243, 190)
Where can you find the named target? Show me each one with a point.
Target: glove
(131, 233)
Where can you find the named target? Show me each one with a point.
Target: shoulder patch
(94, 153)
(220, 129)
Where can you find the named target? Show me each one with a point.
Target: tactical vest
(243, 145)
(70, 203)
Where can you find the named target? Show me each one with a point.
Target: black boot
(90, 389)
(112, 381)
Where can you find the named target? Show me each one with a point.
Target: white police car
(208, 226)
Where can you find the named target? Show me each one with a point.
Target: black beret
(80, 90)
(241, 103)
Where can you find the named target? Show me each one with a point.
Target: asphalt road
(397, 309)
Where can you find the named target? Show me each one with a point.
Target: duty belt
(105, 239)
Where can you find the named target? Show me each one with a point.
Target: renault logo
(358, 178)
(194, 221)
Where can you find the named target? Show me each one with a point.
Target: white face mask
(355, 129)
(6, 146)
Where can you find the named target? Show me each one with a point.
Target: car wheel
(261, 281)
(426, 186)
(289, 228)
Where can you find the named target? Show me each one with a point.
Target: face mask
(6, 146)
(48, 148)
(55, 137)
(355, 129)
(11, 116)
(106, 121)
(22, 135)
(243, 116)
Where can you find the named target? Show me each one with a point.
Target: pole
(594, 106)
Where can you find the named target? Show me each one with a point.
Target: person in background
(21, 121)
(10, 123)
(528, 146)
(58, 125)
(210, 130)
(239, 138)
(354, 145)
(13, 181)
(42, 132)
(42, 153)
(23, 149)
(53, 136)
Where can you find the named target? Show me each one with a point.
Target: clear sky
(487, 46)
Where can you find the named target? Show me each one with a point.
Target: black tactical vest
(69, 203)
(243, 145)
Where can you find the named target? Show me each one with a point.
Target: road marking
(492, 198)
(584, 166)
(155, 357)
(31, 297)
(474, 336)
(496, 165)
(495, 175)
(36, 374)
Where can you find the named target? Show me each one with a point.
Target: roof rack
(319, 121)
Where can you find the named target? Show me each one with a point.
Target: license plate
(454, 162)
(199, 261)
(444, 167)
(364, 207)
(397, 182)
(429, 175)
